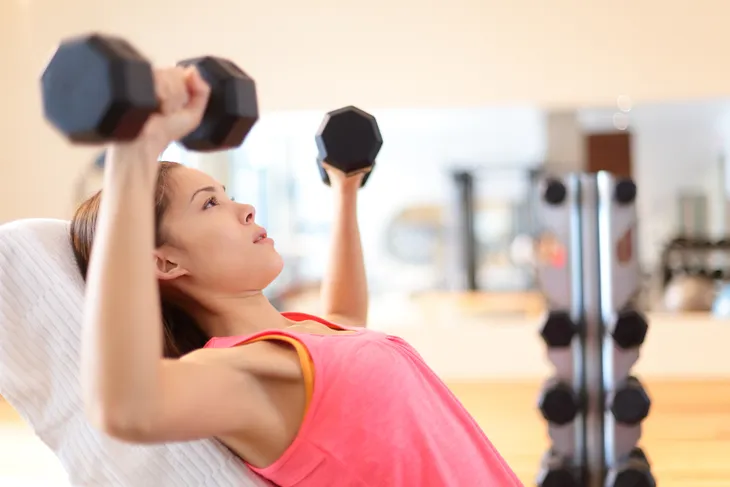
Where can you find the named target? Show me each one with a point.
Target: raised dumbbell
(629, 403)
(558, 403)
(348, 139)
(99, 89)
(633, 471)
(556, 471)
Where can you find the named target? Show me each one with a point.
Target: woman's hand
(341, 181)
(183, 96)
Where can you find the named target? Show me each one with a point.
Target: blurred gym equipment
(490, 234)
(590, 277)
(689, 291)
(691, 271)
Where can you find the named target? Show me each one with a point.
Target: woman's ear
(167, 268)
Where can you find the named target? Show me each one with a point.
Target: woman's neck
(238, 315)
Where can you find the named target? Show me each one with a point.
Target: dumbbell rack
(589, 272)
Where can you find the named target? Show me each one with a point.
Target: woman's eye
(212, 201)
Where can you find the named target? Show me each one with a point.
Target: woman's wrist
(131, 164)
(345, 203)
(346, 192)
(347, 185)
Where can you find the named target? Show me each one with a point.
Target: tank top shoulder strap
(234, 341)
(297, 316)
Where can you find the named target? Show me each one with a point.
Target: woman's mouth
(262, 238)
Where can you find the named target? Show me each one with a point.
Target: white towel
(41, 296)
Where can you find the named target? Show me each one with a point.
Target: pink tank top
(378, 416)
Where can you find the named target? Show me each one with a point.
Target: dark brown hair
(181, 333)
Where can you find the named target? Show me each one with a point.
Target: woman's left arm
(344, 291)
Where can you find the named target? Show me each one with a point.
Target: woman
(303, 401)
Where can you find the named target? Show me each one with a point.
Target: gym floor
(687, 435)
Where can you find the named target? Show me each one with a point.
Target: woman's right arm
(131, 392)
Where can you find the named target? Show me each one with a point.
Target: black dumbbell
(558, 403)
(629, 403)
(558, 329)
(98, 89)
(629, 329)
(554, 191)
(556, 471)
(348, 139)
(633, 471)
(624, 192)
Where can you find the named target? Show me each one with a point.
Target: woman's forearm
(122, 332)
(344, 288)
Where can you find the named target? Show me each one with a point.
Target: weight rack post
(590, 280)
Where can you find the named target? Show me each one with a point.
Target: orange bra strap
(305, 361)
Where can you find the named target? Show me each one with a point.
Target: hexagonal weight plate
(349, 139)
(558, 403)
(98, 89)
(624, 192)
(558, 329)
(629, 330)
(629, 403)
(232, 109)
(554, 192)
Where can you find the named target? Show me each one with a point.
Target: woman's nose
(248, 214)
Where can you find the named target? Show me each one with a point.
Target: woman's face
(212, 240)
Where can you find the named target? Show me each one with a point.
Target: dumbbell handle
(158, 107)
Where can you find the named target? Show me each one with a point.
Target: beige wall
(323, 53)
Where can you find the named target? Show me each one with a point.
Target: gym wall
(676, 147)
(326, 53)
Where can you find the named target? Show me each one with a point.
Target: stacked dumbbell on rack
(593, 405)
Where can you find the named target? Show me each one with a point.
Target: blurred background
(476, 101)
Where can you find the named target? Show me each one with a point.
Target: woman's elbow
(122, 424)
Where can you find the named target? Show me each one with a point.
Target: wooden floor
(687, 436)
